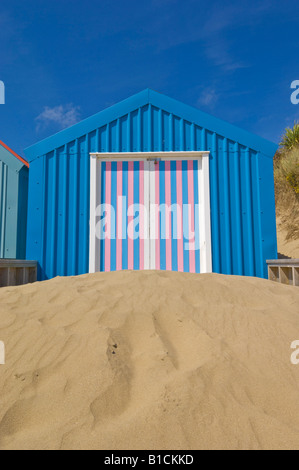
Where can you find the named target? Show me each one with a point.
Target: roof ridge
(159, 100)
(14, 154)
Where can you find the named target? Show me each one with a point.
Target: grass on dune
(286, 173)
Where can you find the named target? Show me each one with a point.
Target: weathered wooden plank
(17, 272)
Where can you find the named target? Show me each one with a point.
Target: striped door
(122, 237)
(174, 189)
(150, 216)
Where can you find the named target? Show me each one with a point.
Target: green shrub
(286, 173)
(287, 169)
(290, 140)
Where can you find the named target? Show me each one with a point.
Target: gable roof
(22, 160)
(161, 101)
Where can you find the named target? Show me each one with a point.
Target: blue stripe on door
(103, 198)
(125, 218)
(174, 217)
(136, 202)
(185, 214)
(162, 219)
(113, 215)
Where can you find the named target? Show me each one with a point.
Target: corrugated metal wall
(13, 206)
(3, 206)
(242, 193)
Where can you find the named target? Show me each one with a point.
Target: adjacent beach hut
(147, 150)
(13, 204)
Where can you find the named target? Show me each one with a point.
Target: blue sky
(65, 60)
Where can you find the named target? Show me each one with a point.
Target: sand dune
(288, 248)
(149, 361)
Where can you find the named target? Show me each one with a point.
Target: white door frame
(204, 198)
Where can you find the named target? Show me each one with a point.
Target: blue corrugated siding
(13, 206)
(58, 225)
(3, 207)
(242, 193)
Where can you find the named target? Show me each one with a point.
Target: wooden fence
(17, 273)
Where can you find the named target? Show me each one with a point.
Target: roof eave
(214, 124)
(170, 105)
(87, 125)
(22, 160)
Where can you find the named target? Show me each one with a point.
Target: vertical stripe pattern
(170, 208)
(141, 216)
(119, 209)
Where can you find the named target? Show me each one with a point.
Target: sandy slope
(289, 248)
(149, 360)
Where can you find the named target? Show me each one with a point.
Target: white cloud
(208, 98)
(63, 116)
